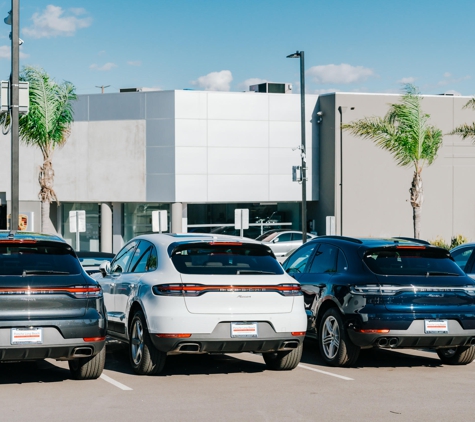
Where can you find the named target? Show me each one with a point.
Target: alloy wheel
(330, 337)
(136, 341)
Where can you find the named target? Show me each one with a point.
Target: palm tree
(406, 133)
(466, 131)
(46, 126)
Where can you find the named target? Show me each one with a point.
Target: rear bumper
(415, 337)
(71, 350)
(220, 341)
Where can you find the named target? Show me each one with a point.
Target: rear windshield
(408, 261)
(206, 258)
(37, 259)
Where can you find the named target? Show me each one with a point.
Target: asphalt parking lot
(386, 385)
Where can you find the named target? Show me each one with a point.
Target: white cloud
(449, 80)
(5, 53)
(134, 63)
(156, 88)
(215, 81)
(54, 22)
(339, 74)
(408, 80)
(104, 67)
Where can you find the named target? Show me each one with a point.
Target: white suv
(170, 293)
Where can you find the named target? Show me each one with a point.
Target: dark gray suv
(49, 306)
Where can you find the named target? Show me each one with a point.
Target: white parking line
(116, 383)
(325, 373)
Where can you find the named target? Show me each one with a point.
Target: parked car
(49, 307)
(465, 258)
(92, 260)
(384, 293)
(282, 241)
(202, 293)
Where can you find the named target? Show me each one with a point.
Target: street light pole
(301, 55)
(14, 115)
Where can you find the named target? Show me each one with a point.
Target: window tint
(411, 261)
(461, 256)
(296, 236)
(299, 259)
(37, 258)
(284, 237)
(325, 259)
(123, 258)
(145, 258)
(209, 258)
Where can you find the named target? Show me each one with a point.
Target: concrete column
(117, 237)
(106, 228)
(176, 212)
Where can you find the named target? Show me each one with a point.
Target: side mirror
(275, 240)
(105, 268)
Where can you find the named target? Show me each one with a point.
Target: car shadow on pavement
(375, 358)
(32, 372)
(118, 361)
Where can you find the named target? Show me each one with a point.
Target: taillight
(89, 339)
(298, 333)
(200, 289)
(171, 335)
(382, 331)
(80, 292)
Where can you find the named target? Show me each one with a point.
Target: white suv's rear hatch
(233, 278)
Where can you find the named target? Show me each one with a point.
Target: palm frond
(465, 131)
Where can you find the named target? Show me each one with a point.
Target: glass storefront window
(90, 239)
(138, 218)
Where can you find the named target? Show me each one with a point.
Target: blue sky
(226, 45)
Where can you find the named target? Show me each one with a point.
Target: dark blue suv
(384, 293)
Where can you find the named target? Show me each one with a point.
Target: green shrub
(454, 241)
(438, 241)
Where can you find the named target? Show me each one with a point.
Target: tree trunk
(46, 195)
(46, 223)
(417, 198)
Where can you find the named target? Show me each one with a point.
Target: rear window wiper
(254, 272)
(41, 272)
(440, 273)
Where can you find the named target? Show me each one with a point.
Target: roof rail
(348, 239)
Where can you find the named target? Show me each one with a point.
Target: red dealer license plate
(436, 326)
(26, 336)
(243, 329)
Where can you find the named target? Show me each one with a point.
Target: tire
(283, 361)
(89, 368)
(335, 346)
(144, 357)
(461, 355)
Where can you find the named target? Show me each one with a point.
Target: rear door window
(122, 260)
(325, 259)
(411, 261)
(461, 256)
(298, 261)
(224, 258)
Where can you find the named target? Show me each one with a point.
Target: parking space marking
(116, 383)
(325, 373)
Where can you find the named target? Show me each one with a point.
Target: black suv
(49, 306)
(384, 293)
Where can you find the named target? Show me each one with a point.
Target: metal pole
(14, 102)
(302, 150)
(78, 245)
(340, 109)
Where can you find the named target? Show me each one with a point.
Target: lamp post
(300, 54)
(13, 19)
(341, 110)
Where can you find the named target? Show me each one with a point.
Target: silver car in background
(283, 241)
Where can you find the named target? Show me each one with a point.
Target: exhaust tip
(81, 352)
(472, 341)
(188, 348)
(382, 342)
(393, 342)
(289, 345)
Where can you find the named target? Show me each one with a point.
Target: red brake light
(79, 292)
(298, 333)
(166, 335)
(22, 241)
(383, 331)
(410, 247)
(89, 339)
(225, 243)
(199, 289)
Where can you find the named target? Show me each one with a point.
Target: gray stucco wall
(376, 191)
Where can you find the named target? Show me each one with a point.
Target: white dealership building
(200, 155)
